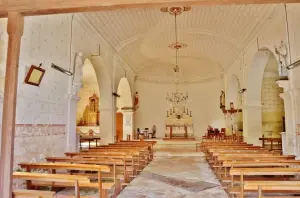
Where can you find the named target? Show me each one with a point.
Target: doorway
(119, 127)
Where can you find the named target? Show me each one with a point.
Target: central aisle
(176, 172)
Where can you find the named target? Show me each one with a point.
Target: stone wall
(272, 107)
(35, 142)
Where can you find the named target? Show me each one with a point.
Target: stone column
(290, 135)
(72, 142)
(252, 122)
(107, 125)
(15, 27)
(128, 118)
(75, 85)
(296, 119)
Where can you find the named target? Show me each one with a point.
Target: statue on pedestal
(78, 73)
(222, 100)
(281, 52)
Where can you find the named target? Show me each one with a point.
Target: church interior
(149, 99)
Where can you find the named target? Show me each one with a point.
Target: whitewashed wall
(41, 111)
(204, 103)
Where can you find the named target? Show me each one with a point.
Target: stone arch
(107, 101)
(255, 76)
(124, 90)
(90, 86)
(125, 107)
(252, 116)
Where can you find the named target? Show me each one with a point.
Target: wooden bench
(242, 172)
(291, 187)
(129, 158)
(21, 193)
(140, 159)
(253, 164)
(99, 161)
(52, 167)
(71, 180)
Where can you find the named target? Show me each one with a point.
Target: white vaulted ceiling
(215, 35)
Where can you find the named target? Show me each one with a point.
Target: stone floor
(176, 172)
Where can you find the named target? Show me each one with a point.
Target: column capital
(128, 110)
(283, 84)
(73, 91)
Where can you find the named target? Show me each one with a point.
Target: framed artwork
(34, 75)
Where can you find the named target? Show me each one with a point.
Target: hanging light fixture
(177, 99)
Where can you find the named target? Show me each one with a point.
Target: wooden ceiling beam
(41, 7)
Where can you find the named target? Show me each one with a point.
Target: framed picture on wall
(34, 75)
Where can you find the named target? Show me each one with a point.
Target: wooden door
(119, 127)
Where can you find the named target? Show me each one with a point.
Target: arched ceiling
(215, 35)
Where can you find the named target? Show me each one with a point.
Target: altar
(179, 128)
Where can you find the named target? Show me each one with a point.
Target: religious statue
(91, 114)
(222, 100)
(281, 52)
(231, 105)
(153, 131)
(78, 68)
(136, 99)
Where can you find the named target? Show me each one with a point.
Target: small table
(89, 139)
(278, 140)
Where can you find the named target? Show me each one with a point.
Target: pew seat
(21, 193)
(266, 187)
(101, 186)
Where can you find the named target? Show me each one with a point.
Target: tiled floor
(175, 173)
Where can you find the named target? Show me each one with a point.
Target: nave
(177, 172)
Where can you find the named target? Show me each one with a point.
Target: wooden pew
(203, 145)
(98, 161)
(242, 172)
(291, 187)
(140, 143)
(141, 158)
(255, 164)
(142, 149)
(21, 193)
(52, 167)
(71, 180)
(128, 158)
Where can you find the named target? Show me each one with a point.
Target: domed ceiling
(215, 35)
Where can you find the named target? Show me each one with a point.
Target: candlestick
(167, 113)
(190, 113)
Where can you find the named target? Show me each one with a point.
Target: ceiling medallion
(177, 45)
(176, 10)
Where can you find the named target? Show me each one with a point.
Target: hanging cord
(288, 33)
(176, 51)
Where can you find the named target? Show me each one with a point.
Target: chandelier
(177, 99)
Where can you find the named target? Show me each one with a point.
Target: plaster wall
(203, 102)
